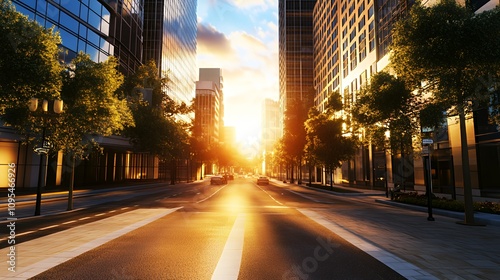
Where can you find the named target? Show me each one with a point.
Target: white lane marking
(308, 197)
(25, 233)
(84, 218)
(69, 222)
(206, 198)
(49, 227)
(229, 263)
(62, 250)
(406, 269)
(269, 195)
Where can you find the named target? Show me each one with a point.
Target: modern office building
(99, 28)
(351, 40)
(104, 28)
(295, 53)
(170, 28)
(351, 43)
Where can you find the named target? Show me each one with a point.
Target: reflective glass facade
(388, 13)
(296, 51)
(99, 28)
(170, 28)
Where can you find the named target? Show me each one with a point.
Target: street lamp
(44, 149)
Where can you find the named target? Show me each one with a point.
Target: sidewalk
(479, 217)
(403, 239)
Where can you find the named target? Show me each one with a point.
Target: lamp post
(44, 149)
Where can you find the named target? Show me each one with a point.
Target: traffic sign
(425, 151)
(427, 141)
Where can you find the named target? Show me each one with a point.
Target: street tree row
(444, 62)
(98, 100)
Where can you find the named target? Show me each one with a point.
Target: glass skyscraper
(170, 28)
(295, 52)
(99, 28)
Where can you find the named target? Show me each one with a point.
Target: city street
(240, 230)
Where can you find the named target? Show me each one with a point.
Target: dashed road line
(25, 233)
(49, 227)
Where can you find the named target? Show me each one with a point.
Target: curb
(482, 218)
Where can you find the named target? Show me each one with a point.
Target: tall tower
(170, 28)
(98, 28)
(295, 53)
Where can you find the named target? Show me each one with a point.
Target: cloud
(252, 4)
(245, 46)
(212, 41)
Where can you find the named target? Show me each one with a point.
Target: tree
(451, 53)
(326, 141)
(92, 108)
(28, 68)
(387, 104)
(294, 135)
(157, 130)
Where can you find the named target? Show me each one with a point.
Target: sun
(247, 137)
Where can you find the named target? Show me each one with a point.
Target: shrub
(447, 204)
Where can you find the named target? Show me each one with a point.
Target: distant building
(228, 136)
(270, 125)
(215, 75)
(208, 112)
(270, 133)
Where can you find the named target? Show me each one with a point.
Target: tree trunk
(310, 172)
(173, 169)
(331, 179)
(469, 208)
(71, 183)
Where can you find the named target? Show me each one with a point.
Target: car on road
(262, 180)
(217, 180)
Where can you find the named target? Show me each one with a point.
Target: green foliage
(450, 52)
(28, 66)
(92, 107)
(294, 135)
(447, 204)
(387, 104)
(326, 142)
(157, 129)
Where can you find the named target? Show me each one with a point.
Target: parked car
(217, 180)
(228, 176)
(262, 180)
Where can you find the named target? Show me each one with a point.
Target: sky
(241, 38)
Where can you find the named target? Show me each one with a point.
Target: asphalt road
(234, 231)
